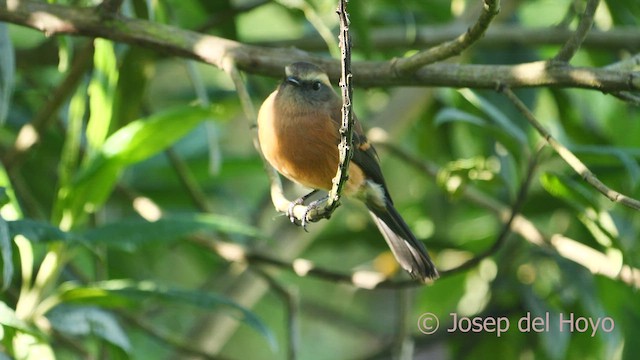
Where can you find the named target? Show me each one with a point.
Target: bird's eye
(316, 85)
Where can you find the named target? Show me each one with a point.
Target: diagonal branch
(572, 45)
(490, 8)
(578, 166)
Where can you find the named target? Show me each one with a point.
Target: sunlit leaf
(30, 347)
(568, 190)
(9, 318)
(101, 93)
(27, 341)
(146, 137)
(133, 143)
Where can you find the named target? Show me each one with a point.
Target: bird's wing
(364, 154)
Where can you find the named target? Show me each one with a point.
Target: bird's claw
(305, 216)
(312, 206)
(290, 212)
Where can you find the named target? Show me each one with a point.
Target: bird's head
(308, 83)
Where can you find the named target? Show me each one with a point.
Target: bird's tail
(409, 251)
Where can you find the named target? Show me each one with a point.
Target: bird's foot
(312, 206)
(300, 201)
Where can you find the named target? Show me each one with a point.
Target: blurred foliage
(107, 222)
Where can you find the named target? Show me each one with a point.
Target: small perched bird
(298, 129)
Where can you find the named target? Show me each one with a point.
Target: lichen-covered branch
(54, 19)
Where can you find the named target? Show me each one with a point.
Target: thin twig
(627, 97)
(571, 13)
(316, 21)
(490, 9)
(572, 45)
(188, 181)
(346, 129)
(578, 166)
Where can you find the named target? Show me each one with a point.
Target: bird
(298, 133)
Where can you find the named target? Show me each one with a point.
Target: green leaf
(498, 117)
(7, 69)
(144, 138)
(133, 233)
(135, 142)
(136, 69)
(101, 93)
(455, 115)
(145, 290)
(7, 254)
(85, 320)
(554, 342)
(572, 192)
(38, 231)
(71, 150)
(8, 199)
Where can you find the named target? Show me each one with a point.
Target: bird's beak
(293, 80)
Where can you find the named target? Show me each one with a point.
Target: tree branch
(572, 45)
(578, 166)
(490, 9)
(498, 35)
(109, 7)
(57, 19)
